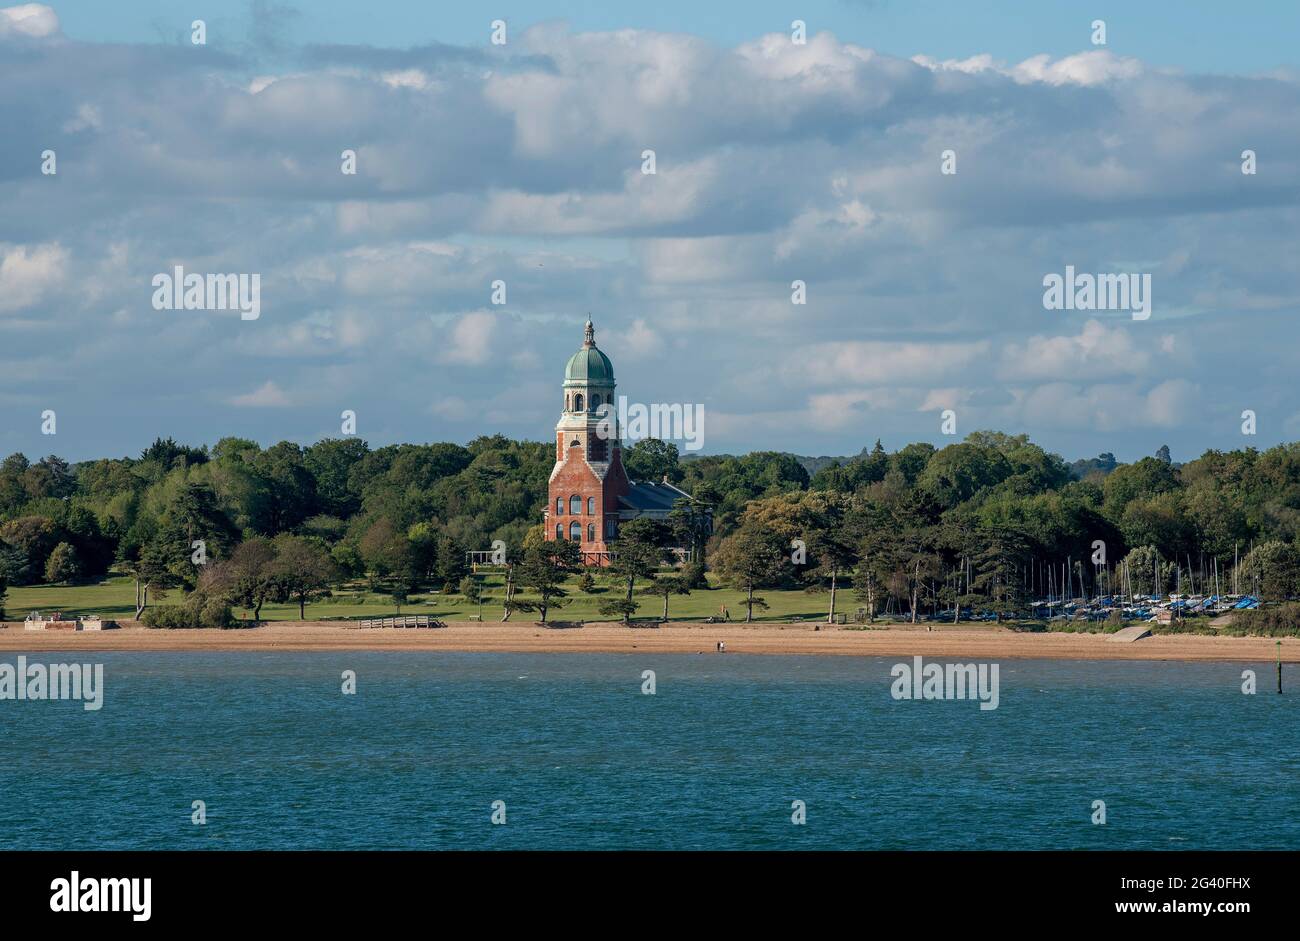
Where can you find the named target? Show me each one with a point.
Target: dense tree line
(993, 520)
(405, 514)
(988, 521)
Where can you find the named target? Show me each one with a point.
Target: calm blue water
(583, 759)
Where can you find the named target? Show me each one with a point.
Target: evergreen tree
(63, 564)
(999, 566)
(452, 564)
(748, 559)
(545, 567)
(666, 585)
(639, 551)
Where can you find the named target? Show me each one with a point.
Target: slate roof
(652, 497)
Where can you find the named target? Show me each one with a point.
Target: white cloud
(267, 395)
(470, 341)
(88, 117)
(776, 162)
(452, 407)
(822, 63)
(1085, 68)
(1107, 407)
(1170, 403)
(1094, 67)
(28, 272)
(672, 194)
(971, 66)
(1097, 352)
(640, 340)
(833, 411)
(29, 19)
(877, 362)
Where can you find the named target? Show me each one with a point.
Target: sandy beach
(967, 641)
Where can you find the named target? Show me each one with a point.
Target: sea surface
(582, 758)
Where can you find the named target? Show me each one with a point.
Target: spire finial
(589, 336)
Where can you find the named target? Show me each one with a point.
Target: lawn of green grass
(114, 597)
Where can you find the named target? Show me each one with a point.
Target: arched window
(591, 532)
(577, 402)
(611, 529)
(591, 506)
(575, 505)
(559, 530)
(595, 401)
(575, 531)
(559, 506)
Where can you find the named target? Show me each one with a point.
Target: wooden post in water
(1279, 668)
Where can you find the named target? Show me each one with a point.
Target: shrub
(470, 588)
(1028, 627)
(210, 612)
(1073, 627)
(166, 616)
(1279, 621)
(1184, 626)
(693, 575)
(215, 613)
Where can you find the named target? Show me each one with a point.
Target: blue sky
(775, 161)
(1202, 35)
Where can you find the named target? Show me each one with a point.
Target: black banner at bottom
(331, 889)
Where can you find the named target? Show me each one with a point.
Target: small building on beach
(35, 621)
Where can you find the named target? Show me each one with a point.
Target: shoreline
(674, 638)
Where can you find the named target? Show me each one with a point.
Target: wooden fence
(406, 620)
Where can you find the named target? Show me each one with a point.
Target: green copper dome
(589, 364)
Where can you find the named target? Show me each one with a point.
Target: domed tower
(588, 480)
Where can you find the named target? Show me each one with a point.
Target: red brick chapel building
(590, 492)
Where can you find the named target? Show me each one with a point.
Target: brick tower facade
(588, 483)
